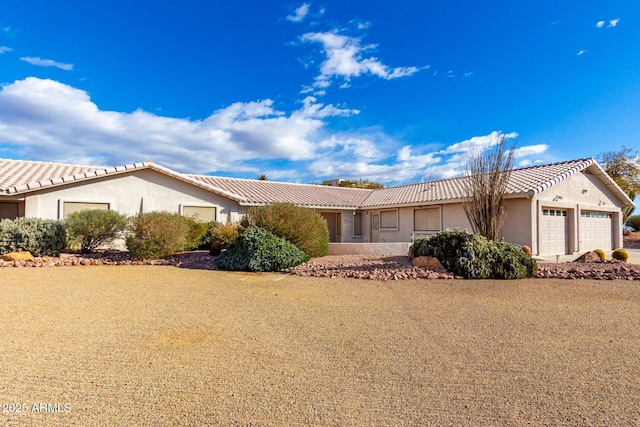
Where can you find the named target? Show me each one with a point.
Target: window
(357, 224)
(70, 207)
(389, 219)
(553, 212)
(601, 215)
(427, 219)
(8, 210)
(201, 213)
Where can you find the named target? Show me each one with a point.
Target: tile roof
(20, 176)
(255, 192)
(17, 176)
(525, 181)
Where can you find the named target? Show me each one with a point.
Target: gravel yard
(159, 345)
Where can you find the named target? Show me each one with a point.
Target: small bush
(634, 221)
(157, 234)
(91, 228)
(205, 241)
(41, 237)
(527, 250)
(620, 254)
(227, 233)
(196, 233)
(256, 249)
(474, 257)
(303, 227)
(601, 254)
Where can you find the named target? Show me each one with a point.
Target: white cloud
(344, 57)
(4, 49)
(300, 13)
(581, 52)
(48, 120)
(612, 23)
(46, 63)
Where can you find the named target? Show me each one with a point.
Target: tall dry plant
(488, 173)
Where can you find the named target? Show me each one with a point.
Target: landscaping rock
(430, 262)
(17, 256)
(588, 257)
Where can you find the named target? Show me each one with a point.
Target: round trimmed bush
(157, 234)
(620, 254)
(527, 250)
(304, 227)
(634, 221)
(256, 249)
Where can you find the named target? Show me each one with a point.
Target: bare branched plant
(487, 175)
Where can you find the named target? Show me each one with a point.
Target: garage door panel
(596, 230)
(553, 231)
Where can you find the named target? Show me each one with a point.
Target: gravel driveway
(151, 345)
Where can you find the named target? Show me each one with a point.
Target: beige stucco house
(559, 208)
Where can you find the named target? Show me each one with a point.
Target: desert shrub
(474, 257)
(157, 234)
(303, 227)
(256, 249)
(620, 254)
(205, 241)
(527, 250)
(91, 228)
(601, 254)
(196, 233)
(227, 233)
(634, 221)
(41, 237)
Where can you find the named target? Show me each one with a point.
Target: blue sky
(395, 92)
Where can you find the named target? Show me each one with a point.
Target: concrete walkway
(634, 256)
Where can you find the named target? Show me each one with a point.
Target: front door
(375, 227)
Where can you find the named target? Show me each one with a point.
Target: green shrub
(91, 228)
(157, 234)
(634, 221)
(205, 241)
(226, 233)
(41, 237)
(256, 249)
(601, 254)
(303, 227)
(620, 254)
(196, 233)
(474, 257)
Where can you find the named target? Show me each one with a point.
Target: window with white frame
(389, 219)
(426, 219)
(70, 207)
(200, 213)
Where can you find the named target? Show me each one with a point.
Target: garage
(596, 230)
(553, 232)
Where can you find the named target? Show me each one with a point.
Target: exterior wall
(137, 191)
(373, 249)
(580, 192)
(518, 224)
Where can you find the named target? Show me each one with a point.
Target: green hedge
(41, 237)
(474, 257)
(256, 249)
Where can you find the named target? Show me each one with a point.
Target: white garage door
(595, 230)
(553, 232)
